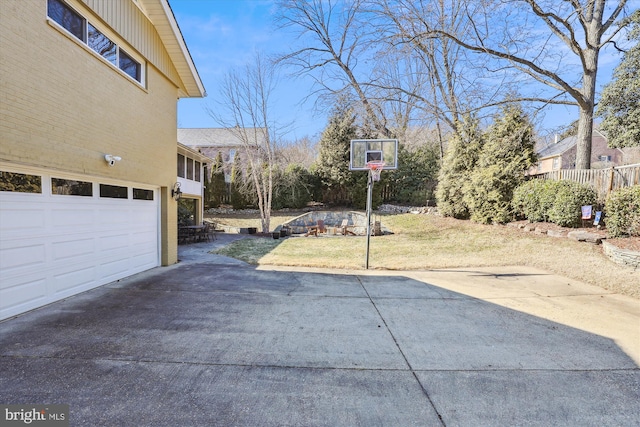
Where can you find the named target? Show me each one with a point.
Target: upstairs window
(84, 31)
(101, 44)
(181, 165)
(129, 66)
(67, 18)
(190, 169)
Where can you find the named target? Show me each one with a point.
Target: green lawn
(432, 242)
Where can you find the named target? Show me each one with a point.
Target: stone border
(621, 256)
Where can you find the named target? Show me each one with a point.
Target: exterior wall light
(176, 193)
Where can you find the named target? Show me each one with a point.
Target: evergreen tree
(415, 180)
(216, 187)
(620, 103)
(236, 196)
(459, 161)
(332, 166)
(507, 153)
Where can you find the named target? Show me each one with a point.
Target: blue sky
(224, 34)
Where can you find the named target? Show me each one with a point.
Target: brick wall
(63, 107)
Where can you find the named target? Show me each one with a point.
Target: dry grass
(423, 242)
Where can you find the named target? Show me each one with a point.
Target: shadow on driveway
(207, 344)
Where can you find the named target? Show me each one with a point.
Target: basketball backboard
(373, 150)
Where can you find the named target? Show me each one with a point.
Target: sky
(223, 35)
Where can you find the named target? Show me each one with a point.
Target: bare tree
(545, 40)
(373, 49)
(337, 44)
(243, 108)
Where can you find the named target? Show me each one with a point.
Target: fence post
(611, 176)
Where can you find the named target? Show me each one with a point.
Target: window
(67, 18)
(190, 169)
(197, 172)
(129, 66)
(556, 163)
(71, 188)
(140, 194)
(84, 31)
(605, 158)
(181, 162)
(113, 191)
(101, 44)
(20, 183)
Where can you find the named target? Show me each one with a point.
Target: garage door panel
(73, 218)
(73, 249)
(143, 237)
(109, 216)
(114, 268)
(16, 221)
(32, 290)
(74, 281)
(146, 260)
(20, 255)
(113, 242)
(141, 216)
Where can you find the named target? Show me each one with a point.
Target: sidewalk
(215, 342)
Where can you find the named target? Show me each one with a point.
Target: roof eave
(161, 14)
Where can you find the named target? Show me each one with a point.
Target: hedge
(622, 212)
(559, 202)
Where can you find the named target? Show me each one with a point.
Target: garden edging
(621, 256)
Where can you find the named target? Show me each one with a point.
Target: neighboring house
(88, 96)
(226, 141)
(191, 167)
(562, 155)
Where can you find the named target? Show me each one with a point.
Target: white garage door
(73, 236)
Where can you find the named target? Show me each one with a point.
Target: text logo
(34, 415)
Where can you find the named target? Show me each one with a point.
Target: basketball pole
(369, 198)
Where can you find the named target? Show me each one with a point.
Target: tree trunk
(587, 101)
(585, 133)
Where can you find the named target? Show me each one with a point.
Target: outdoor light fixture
(176, 193)
(111, 159)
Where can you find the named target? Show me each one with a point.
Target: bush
(622, 210)
(533, 200)
(567, 203)
(559, 202)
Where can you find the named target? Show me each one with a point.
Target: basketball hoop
(375, 169)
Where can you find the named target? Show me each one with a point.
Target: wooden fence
(604, 181)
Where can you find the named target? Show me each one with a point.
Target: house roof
(160, 13)
(569, 142)
(557, 149)
(212, 137)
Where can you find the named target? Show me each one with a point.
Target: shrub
(622, 210)
(559, 202)
(569, 198)
(533, 200)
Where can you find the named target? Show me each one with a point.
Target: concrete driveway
(215, 342)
